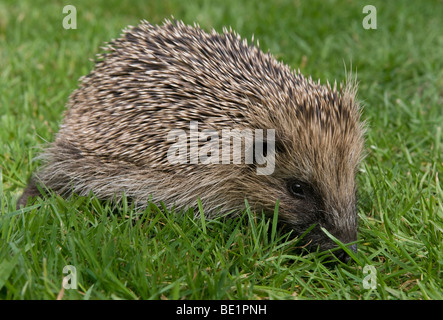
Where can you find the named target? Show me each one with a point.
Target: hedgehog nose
(353, 247)
(343, 256)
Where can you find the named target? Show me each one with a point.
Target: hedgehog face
(316, 166)
(314, 182)
(311, 208)
(312, 199)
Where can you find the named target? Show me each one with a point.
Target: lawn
(160, 253)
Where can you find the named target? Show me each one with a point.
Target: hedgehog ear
(264, 155)
(279, 146)
(261, 149)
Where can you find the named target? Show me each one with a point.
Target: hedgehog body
(154, 79)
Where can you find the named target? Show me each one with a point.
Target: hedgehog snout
(341, 227)
(343, 256)
(347, 236)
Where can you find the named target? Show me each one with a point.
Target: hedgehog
(158, 81)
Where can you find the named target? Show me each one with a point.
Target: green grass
(161, 254)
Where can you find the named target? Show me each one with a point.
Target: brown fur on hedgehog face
(153, 79)
(321, 145)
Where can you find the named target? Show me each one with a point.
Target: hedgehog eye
(296, 189)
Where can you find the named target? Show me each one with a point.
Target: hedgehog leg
(30, 192)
